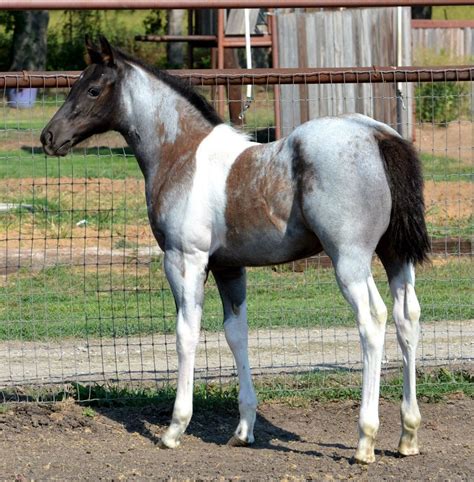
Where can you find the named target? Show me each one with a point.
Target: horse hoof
(406, 451)
(235, 441)
(168, 444)
(408, 445)
(364, 459)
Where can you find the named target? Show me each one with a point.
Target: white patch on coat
(207, 200)
(368, 121)
(147, 99)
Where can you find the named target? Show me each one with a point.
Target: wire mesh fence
(83, 298)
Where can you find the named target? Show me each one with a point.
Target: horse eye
(93, 92)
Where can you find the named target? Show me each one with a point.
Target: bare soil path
(150, 358)
(58, 442)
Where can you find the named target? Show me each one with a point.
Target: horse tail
(406, 236)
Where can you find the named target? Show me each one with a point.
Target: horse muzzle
(54, 144)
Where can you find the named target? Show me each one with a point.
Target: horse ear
(93, 54)
(107, 51)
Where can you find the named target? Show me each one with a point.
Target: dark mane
(182, 88)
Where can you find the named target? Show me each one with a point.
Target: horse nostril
(46, 138)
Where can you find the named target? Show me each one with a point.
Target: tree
(421, 12)
(175, 50)
(29, 40)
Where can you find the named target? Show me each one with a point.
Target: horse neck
(157, 121)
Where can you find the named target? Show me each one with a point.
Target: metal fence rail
(169, 4)
(82, 294)
(287, 76)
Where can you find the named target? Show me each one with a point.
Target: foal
(219, 202)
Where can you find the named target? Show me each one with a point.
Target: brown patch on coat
(259, 194)
(177, 161)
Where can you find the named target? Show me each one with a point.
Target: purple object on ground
(21, 98)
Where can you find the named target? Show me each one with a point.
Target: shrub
(441, 102)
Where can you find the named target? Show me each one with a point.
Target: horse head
(92, 104)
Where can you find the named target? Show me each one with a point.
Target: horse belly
(266, 248)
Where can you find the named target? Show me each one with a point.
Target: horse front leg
(186, 274)
(231, 283)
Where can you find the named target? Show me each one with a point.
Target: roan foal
(219, 202)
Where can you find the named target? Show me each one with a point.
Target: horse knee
(372, 336)
(412, 310)
(380, 314)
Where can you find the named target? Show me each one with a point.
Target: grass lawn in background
(64, 302)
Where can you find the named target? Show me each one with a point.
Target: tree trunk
(421, 12)
(29, 40)
(175, 50)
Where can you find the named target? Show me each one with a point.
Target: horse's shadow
(213, 426)
(350, 458)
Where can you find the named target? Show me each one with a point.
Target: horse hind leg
(358, 287)
(406, 313)
(232, 288)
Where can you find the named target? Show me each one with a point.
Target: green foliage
(88, 412)
(6, 35)
(67, 29)
(294, 390)
(432, 386)
(441, 102)
(155, 22)
(66, 40)
(429, 56)
(453, 13)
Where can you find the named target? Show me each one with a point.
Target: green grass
(453, 13)
(119, 163)
(298, 390)
(432, 386)
(450, 227)
(57, 218)
(443, 168)
(82, 163)
(65, 302)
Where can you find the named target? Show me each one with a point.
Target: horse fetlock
(244, 430)
(411, 418)
(171, 438)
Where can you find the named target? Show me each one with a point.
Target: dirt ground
(60, 442)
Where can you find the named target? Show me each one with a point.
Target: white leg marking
(186, 274)
(371, 318)
(406, 313)
(232, 291)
